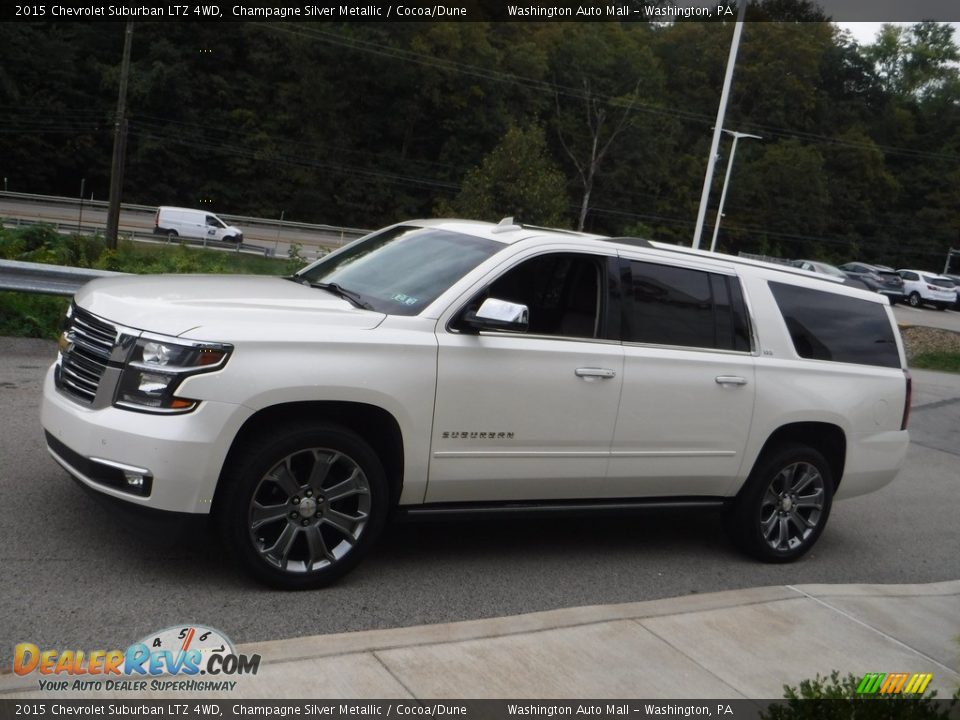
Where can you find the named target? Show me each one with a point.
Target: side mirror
(496, 314)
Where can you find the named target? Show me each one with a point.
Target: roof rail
(636, 242)
(683, 250)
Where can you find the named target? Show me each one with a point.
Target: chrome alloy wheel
(309, 510)
(792, 506)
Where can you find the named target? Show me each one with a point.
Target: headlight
(156, 368)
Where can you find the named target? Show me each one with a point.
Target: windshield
(403, 269)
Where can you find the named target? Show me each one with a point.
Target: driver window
(563, 292)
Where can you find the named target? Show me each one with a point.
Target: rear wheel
(785, 504)
(942, 306)
(304, 505)
(171, 234)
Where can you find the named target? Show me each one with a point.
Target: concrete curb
(734, 644)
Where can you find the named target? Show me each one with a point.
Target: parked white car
(444, 366)
(924, 288)
(197, 224)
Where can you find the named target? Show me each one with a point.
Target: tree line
(603, 126)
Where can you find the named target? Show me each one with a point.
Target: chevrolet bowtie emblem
(66, 342)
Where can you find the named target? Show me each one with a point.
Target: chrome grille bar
(88, 344)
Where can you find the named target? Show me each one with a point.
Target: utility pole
(119, 144)
(726, 181)
(83, 181)
(718, 126)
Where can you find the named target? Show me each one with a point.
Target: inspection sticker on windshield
(405, 299)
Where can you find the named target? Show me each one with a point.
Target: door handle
(591, 373)
(730, 380)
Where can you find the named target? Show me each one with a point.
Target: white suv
(454, 366)
(922, 288)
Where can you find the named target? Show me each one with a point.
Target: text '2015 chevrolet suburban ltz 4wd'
(440, 366)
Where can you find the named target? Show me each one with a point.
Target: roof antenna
(506, 225)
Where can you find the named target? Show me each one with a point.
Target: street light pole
(721, 112)
(726, 181)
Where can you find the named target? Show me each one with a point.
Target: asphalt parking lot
(75, 578)
(946, 319)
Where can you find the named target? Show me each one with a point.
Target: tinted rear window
(830, 326)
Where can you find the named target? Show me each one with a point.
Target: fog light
(134, 479)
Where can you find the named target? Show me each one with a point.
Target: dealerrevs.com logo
(179, 654)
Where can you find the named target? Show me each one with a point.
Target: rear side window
(830, 326)
(688, 308)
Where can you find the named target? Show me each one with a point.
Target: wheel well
(828, 439)
(375, 425)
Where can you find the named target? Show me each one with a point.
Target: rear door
(689, 383)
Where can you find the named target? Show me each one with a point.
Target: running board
(556, 507)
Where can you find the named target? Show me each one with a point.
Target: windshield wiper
(340, 291)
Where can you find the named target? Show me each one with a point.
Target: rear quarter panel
(866, 402)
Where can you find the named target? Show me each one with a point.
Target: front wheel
(914, 300)
(303, 505)
(784, 505)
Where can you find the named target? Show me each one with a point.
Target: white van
(184, 222)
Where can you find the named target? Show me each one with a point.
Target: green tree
(517, 178)
(918, 61)
(602, 98)
(780, 200)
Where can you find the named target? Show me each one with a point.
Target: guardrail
(343, 234)
(47, 279)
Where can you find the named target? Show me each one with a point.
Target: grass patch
(937, 360)
(23, 315)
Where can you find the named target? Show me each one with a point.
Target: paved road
(946, 319)
(311, 242)
(73, 579)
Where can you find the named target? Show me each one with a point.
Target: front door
(529, 416)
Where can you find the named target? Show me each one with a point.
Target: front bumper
(181, 455)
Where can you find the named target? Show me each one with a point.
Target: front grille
(89, 342)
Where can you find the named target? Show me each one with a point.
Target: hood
(175, 304)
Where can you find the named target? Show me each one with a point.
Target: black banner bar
(892, 708)
(473, 11)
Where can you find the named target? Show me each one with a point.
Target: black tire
(171, 234)
(941, 306)
(915, 300)
(304, 538)
(776, 518)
